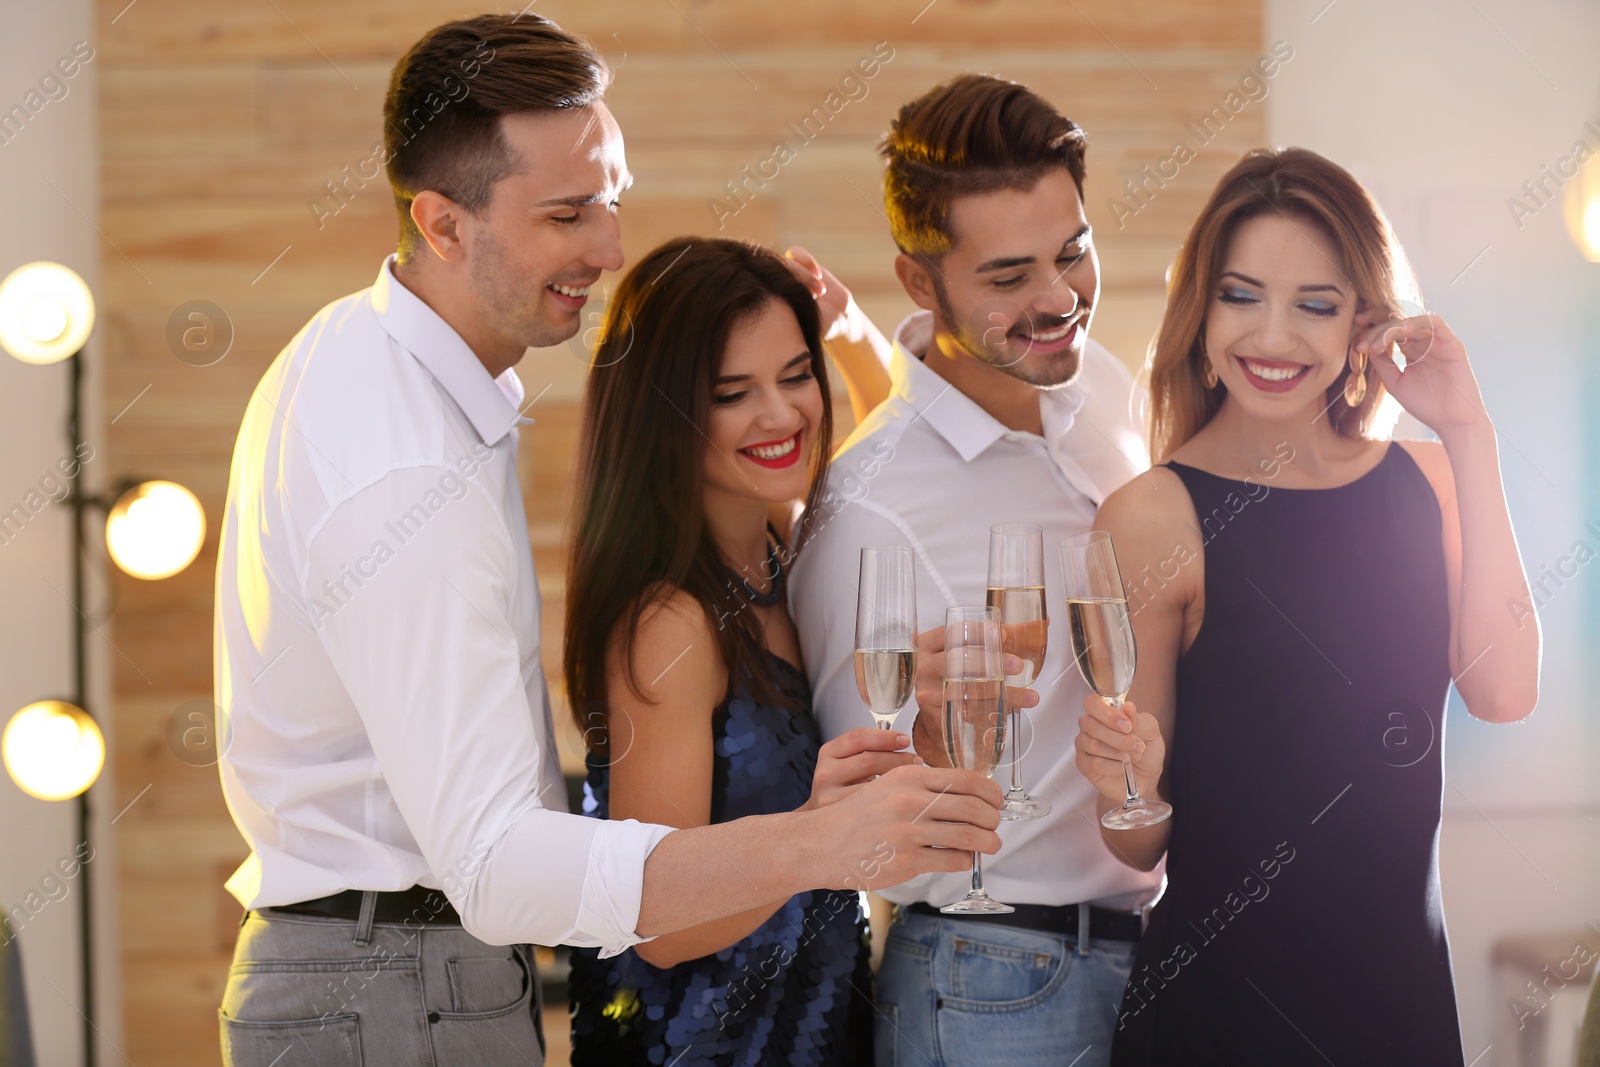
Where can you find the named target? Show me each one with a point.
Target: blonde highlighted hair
(1298, 184)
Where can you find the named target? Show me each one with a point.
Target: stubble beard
(1057, 370)
(513, 311)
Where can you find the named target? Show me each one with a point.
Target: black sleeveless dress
(1302, 920)
(797, 990)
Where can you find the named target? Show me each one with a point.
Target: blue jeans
(955, 992)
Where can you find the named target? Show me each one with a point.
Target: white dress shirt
(377, 642)
(930, 469)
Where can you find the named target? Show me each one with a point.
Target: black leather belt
(1105, 924)
(417, 905)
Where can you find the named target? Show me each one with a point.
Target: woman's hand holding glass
(1106, 734)
(855, 758)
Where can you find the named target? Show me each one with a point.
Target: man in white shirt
(390, 757)
(1001, 410)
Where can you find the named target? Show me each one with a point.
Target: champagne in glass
(1102, 631)
(974, 723)
(1016, 592)
(1024, 629)
(974, 720)
(886, 628)
(1103, 646)
(885, 677)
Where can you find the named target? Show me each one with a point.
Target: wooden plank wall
(221, 122)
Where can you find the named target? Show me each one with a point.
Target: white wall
(56, 147)
(1444, 108)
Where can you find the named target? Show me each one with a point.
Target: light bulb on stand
(53, 750)
(155, 529)
(46, 312)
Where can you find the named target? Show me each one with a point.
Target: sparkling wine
(975, 723)
(885, 678)
(1024, 628)
(1102, 643)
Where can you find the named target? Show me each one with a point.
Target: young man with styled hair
(390, 757)
(1001, 409)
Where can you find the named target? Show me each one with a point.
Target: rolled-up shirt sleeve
(425, 641)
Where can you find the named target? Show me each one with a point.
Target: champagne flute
(886, 631)
(974, 720)
(1103, 646)
(1016, 593)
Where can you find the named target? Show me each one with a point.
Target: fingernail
(902, 740)
(1139, 748)
(1125, 726)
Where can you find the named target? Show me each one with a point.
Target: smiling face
(551, 227)
(1019, 285)
(1279, 318)
(766, 406)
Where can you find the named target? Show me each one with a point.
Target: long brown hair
(640, 510)
(1296, 183)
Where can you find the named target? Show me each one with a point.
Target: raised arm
(1149, 520)
(858, 348)
(1494, 646)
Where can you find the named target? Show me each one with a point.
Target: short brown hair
(441, 117)
(973, 134)
(1294, 183)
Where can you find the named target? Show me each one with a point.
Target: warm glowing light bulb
(155, 530)
(45, 320)
(53, 750)
(46, 312)
(1591, 229)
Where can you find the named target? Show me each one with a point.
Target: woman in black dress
(1296, 583)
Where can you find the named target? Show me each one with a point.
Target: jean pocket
(999, 976)
(479, 985)
(885, 1035)
(491, 1031)
(325, 1041)
(901, 943)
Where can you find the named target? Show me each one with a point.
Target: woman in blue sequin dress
(706, 423)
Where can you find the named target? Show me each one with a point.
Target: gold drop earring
(1355, 386)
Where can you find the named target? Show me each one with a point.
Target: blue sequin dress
(796, 990)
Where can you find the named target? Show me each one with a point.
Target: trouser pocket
(325, 1041)
(885, 1035)
(495, 1021)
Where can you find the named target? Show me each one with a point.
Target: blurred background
(208, 169)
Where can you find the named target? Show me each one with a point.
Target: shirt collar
(1058, 408)
(957, 417)
(491, 404)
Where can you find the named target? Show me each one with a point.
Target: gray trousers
(306, 991)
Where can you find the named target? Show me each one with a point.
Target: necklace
(775, 566)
